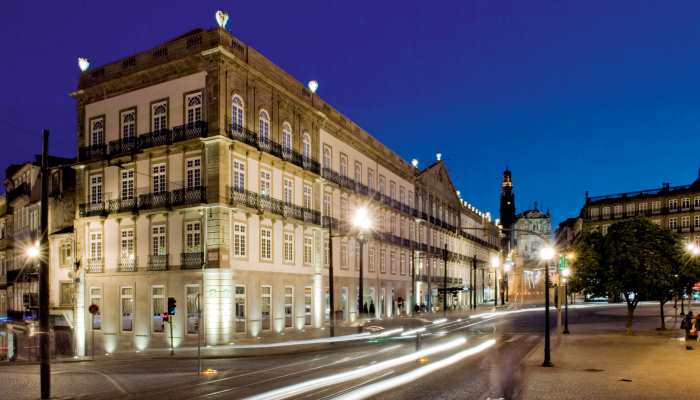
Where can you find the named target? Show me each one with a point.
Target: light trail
(416, 374)
(336, 339)
(414, 331)
(299, 388)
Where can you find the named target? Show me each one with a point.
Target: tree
(588, 274)
(667, 273)
(638, 262)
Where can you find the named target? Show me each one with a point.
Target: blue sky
(571, 95)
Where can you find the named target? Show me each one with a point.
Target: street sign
(94, 309)
(562, 263)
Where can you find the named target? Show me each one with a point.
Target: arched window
(128, 124)
(306, 146)
(326, 157)
(238, 112)
(97, 132)
(194, 108)
(159, 116)
(286, 137)
(264, 127)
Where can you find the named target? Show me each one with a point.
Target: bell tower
(507, 207)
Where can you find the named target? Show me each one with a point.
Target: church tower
(507, 207)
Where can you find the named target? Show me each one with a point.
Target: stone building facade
(532, 232)
(208, 174)
(674, 207)
(19, 282)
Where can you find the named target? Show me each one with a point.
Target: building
(532, 232)
(19, 230)
(507, 209)
(567, 232)
(208, 174)
(674, 207)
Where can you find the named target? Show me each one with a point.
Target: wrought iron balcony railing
(245, 198)
(191, 260)
(158, 262)
(93, 209)
(95, 265)
(188, 196)
(127, 263)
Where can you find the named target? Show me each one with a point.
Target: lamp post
(362, 223)
(546, 255)
(566, 273)
(495, 263)
(693, 251)
(507, 266)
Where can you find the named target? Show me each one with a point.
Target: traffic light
(171, 306)
(165, 317)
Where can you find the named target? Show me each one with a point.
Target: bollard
(418, 342)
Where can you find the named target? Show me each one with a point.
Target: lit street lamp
(546, 255)
(362, 223)
(495, 263)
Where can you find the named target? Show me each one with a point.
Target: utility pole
(360, 295)
(413, 280)
(444, 283)
(547, 359)
(45, 370)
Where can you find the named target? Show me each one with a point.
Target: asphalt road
(476, 358)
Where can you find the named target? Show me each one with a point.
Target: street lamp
(546, 255)
(495, 263)
(566, 273)
(362, 223)
(33, 251)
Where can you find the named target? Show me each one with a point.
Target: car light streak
(297, 389)
(337, 339)
(439, 321)
(412, 376)
(413, 331)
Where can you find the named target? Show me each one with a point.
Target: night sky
(571, 95)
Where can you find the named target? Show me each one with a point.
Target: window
(371, 260)
(358, 172)
(288, 306)
(382, 261)
(402, 195)
(392, 190)
(96, 299)
(265, 183)
(264, 128)
(238, 175)
(343, 208)
(327, 203)
(288, 247)
(288, 191)
(266, 244)
(672, 223)
(306, 146)
(97, 131)
(159, 116)
(696, 221)
(286, 138)
(127, 191)
(240, 304)
(685, 203)
(630, 209)
(127, 245)
(606, 212)
(673, 204)
(66, 255)
(95, 189)
(239, 240)
(343, 165)
(95, 246)
(655, 206)
(308, 193)
(194, 173)
(160, 185)
(344, 255)
(308, 248)
(127, 309)
(307, 305)
(685, 222)
(193, 237)
(266, 307)
(326, 253)
(696, 202)
(327, 160)
(238, 112)
(393, 262)
(194, 108)
(158, 241)
(128, 120)
(642, 207)
(370, 179)
(382, 185)
(65, 294)
(192, 312)
(157, 308)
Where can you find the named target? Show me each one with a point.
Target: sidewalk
(600, 363)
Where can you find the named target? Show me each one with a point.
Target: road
(474, 358)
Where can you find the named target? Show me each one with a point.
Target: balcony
(244, 198)
(154, 200)
(132, 145)
(123, 205)
(93, 209)
(189, 196)
(158, 262)
(127, 263)
(269, 146)
(191, 260)
(94, 265)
